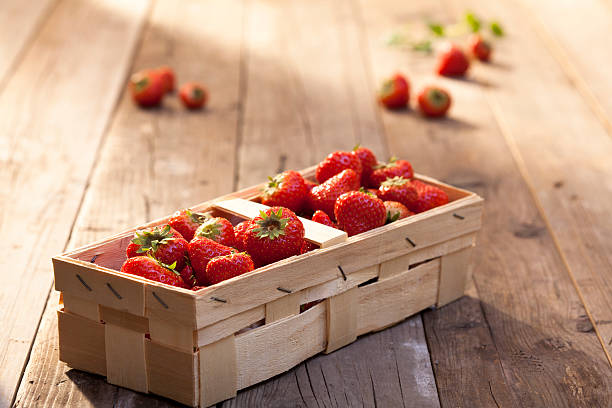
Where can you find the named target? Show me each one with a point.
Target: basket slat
(218, 371)
(125, 358)
(454, 272)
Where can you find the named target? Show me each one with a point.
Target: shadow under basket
(200, 348)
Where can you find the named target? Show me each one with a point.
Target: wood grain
(527, 298)
(152, 163)
(566, 160)
(19, 21)
(46, 156)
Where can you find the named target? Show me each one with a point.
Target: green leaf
(436, 29)
(472, 21)
(396, 39)
(423, 46)
(497, 29)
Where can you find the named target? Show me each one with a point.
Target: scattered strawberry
(398, 189)
(480, 48)
(322, 218)
(240, 234)
(368, 162)
(395, 92)
(193, 95)
(323, 197)
(218, 229)
(163, 243)
(286, 189)
(149, 268)
(188, 276)
(429, 197)
(277, 233)
(335, 162)
(147, 88)
(452, 61)
(396, 211)
(358, 212)
(167, 77)
(201, 251)
(225, 267)
(434, 101)
(187, 222)
(395, 168)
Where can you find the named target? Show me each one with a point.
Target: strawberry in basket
(164, 243)
(187, 222)
(150, 268)
(218, 229)
(287, 189)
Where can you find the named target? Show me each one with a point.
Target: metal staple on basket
(84, 283)
(461, 217)
(218, 299)
(342, 272)
(114, 291)
(284, 290)
(410, 241)
(160, 300)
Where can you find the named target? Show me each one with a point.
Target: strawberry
(201, 251)
(167, 78)
(394, 168)
(308, 246)
(277, 233)
(434, 101)
(452, 61)
(187, 222)
(240, 233)
(358, 212)
(218, 229)
(310, 184)
(286, 189)
(147, 88)
(323, 197)
(429, 197)
(395, 92)
(396, 211)
(480, 48)
(398, 189)
(164, 244)
(193, 95)
(225, 267)
(335, 162)
(198, 287)
(368, 162)
(188, 276)
(150, 268)
(322, 218)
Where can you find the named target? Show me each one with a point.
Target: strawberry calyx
(366, 191)
(171, 267)
(391, 163)
(140, 81)
(209, 229)
(198, 218)
(395, 181)
(388, 88)
(271, 225)
(274, 184)
(392, 217)
(197, 94)
(152, 239)
(436, 97)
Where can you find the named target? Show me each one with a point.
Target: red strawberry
(310, 184)
(149, 268)
(167, 77)
(452, 61)
(323, 197)
(396, 211)
(193, 95)
(240, 233)
(308, 246)
(434, 101)
(394, 168)
(368, 161)
(198, 287)
(187, 222)
(147, 88)
(188, 276)
(225, 267)
(429, 197)
(395, 92)
(276, 234)
(335, 163)
(218, 229)
(201, 251)
(480, 48)
(358, 212)
(398, 189)
(164, 244)
(286, 189)
(322, 218)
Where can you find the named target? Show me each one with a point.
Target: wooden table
(291, 81)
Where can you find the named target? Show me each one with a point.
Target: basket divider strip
(218, 371)
(454, 273)
(125, 358)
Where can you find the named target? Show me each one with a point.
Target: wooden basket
(199, 348)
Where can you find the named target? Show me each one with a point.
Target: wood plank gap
(522, 168)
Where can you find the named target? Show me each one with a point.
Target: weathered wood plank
(19, 22)
(527, 298)
(46, 153)
(567, 160)
(179, 168)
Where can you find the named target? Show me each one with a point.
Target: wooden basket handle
(319, 234)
